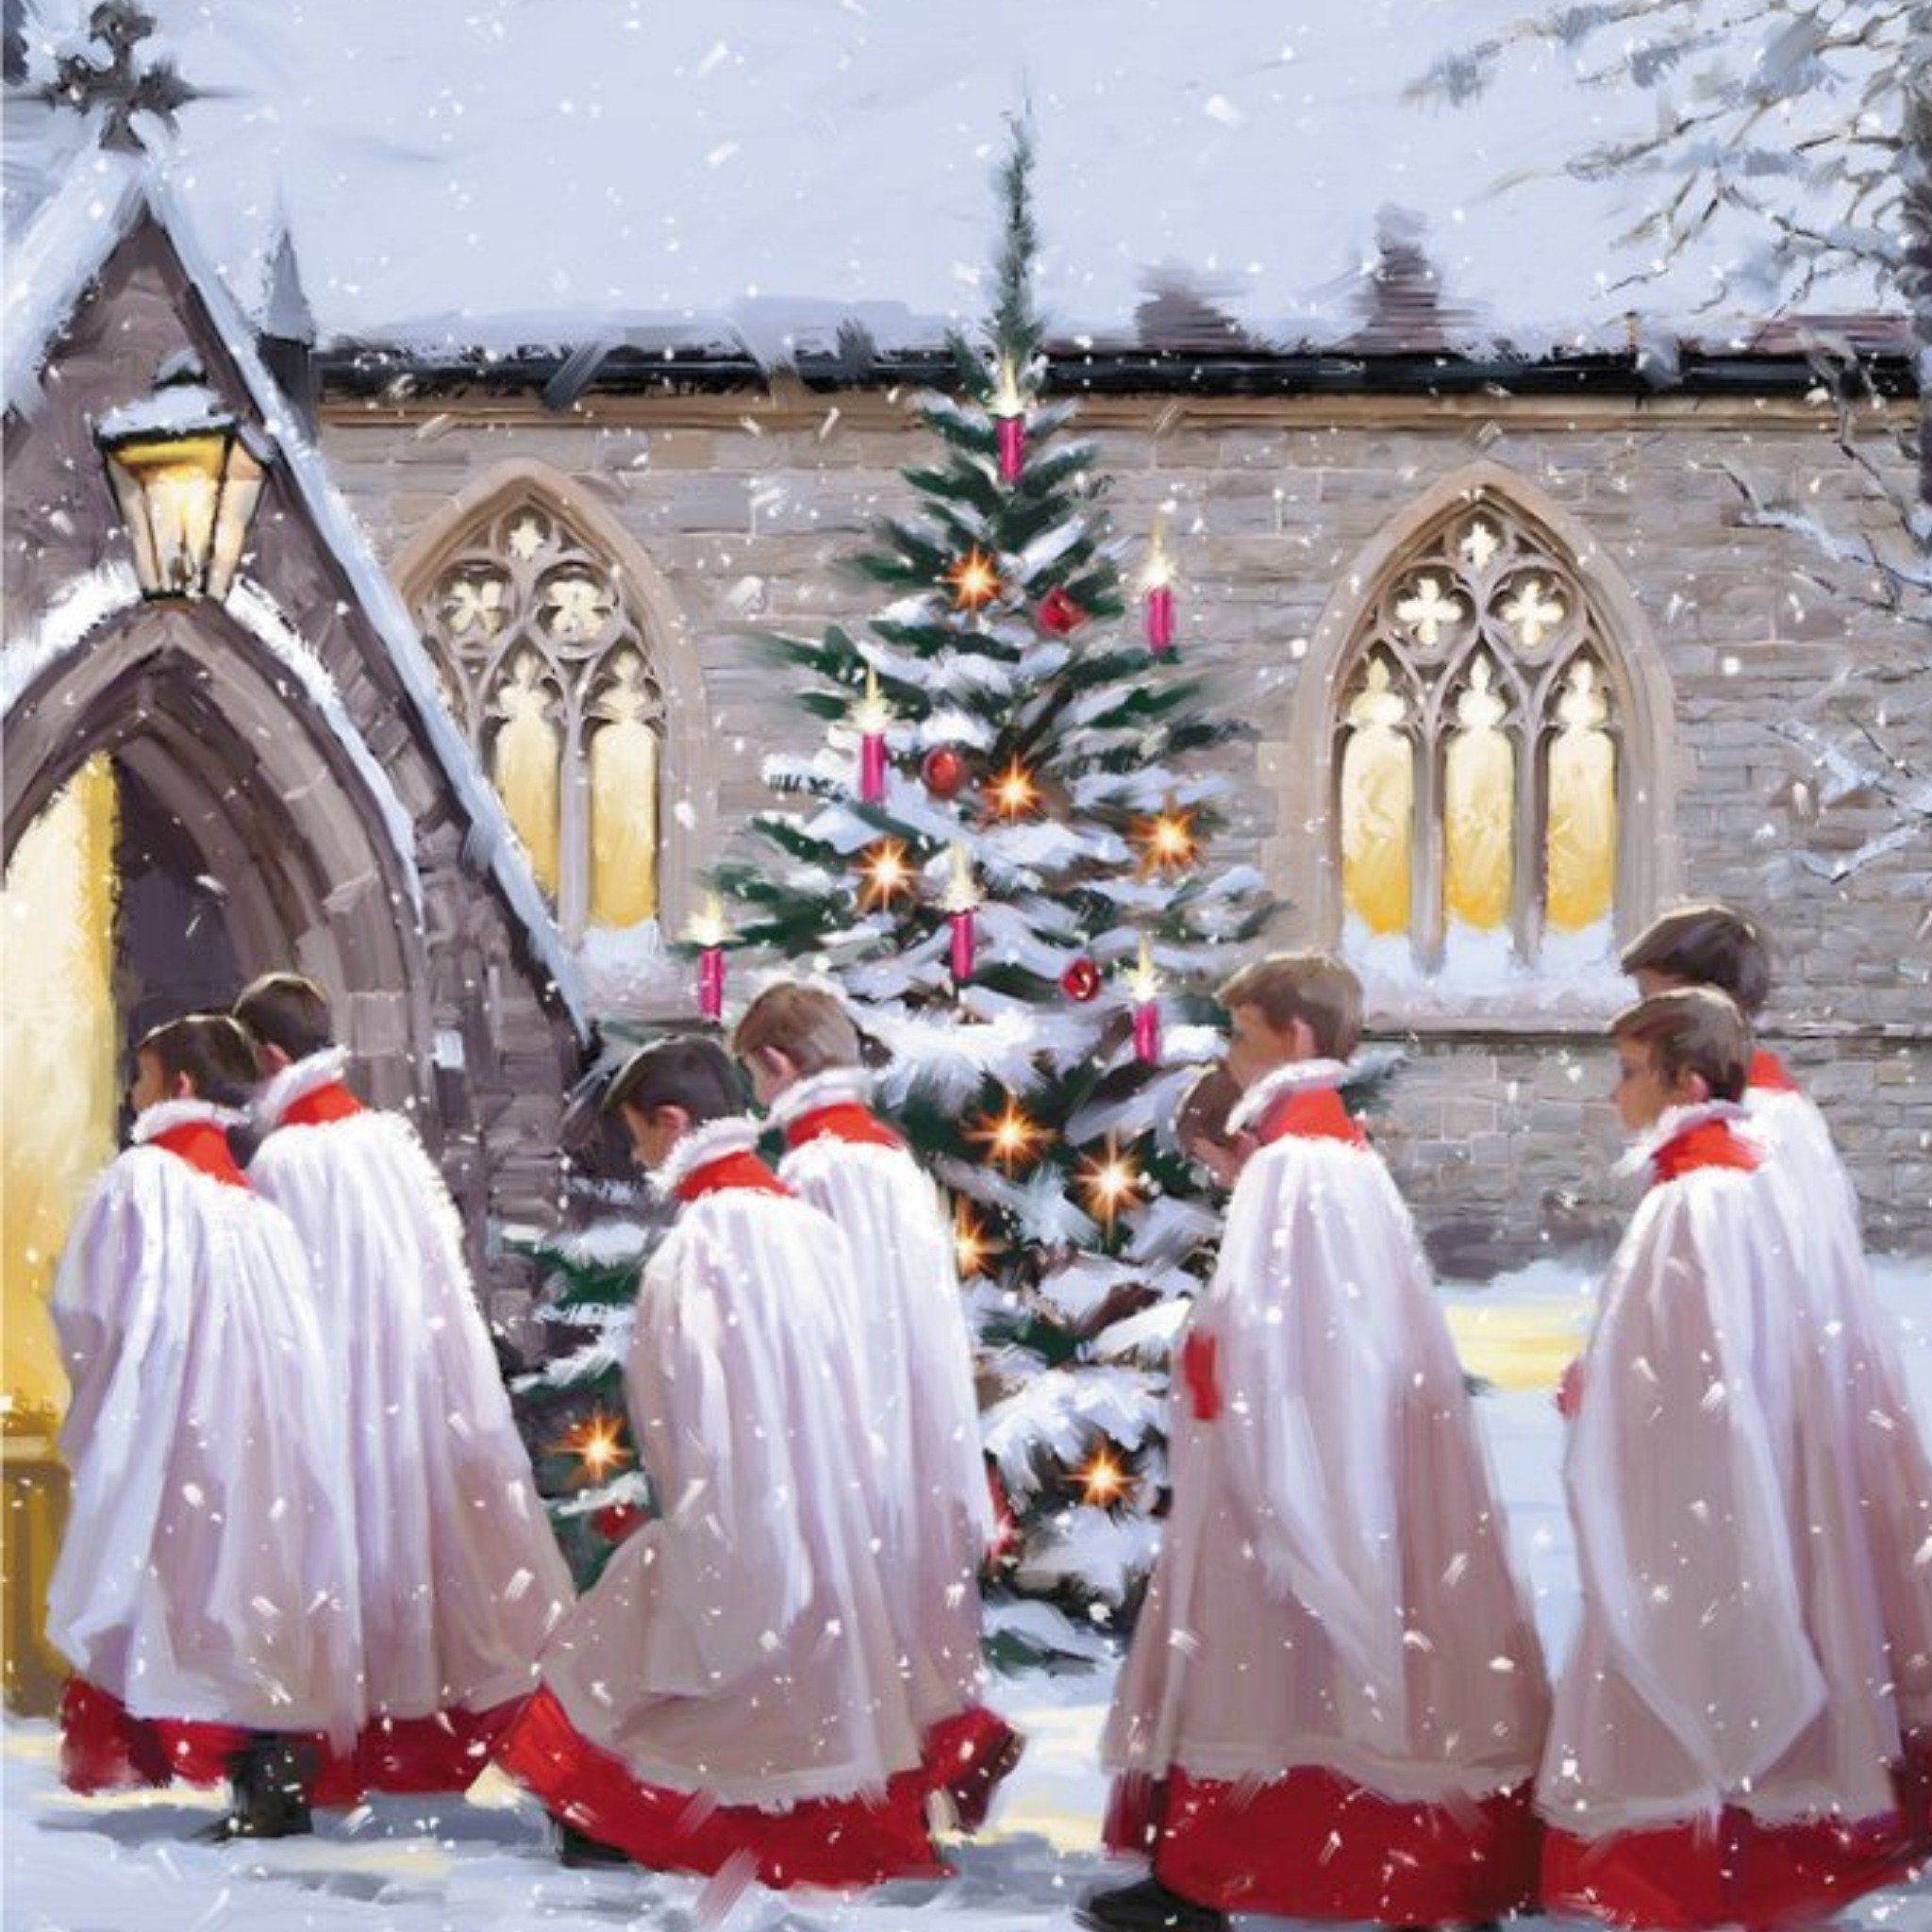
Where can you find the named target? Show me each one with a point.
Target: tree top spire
(1016, 327)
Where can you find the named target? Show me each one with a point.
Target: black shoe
(972, 1794)
(577, 1850)
(268, 1790)
(1148, 1907)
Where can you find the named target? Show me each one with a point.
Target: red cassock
(459, 1577)
(915, 1360)
(204, 1586)
(1726, 1746)
(1858, 1362)
(729, 1689)
(1335, 1695)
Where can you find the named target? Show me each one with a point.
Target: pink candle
(1147, 1032)
(962, 947)
(872, 767)
(1012, 447)
(711, 983)
(1160, 619)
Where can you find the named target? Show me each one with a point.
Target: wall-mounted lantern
(186, 472)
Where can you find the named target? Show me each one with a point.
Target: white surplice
(739, 1643)
(1730, 1649)
(908, 1330)
(207, 1572)
(1334, 1587)
(460, 1578)
(1859, 1370)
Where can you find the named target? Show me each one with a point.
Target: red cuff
(1198, 1357)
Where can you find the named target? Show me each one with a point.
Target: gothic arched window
(1479, 762)
(548, 670)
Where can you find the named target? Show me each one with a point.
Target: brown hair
(210, 1051)
(695, 1075)
(1313, 987)
(1695, 1030)
(284, 1009)
(1706, 945)
(803, 1023)
(1205, 1108)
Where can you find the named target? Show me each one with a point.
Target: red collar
(741, 1170)
(1768, 1073)
(1312, 1113)
(1709, 1143)
(320, 1104)
(204, 1147)
(844, 1120)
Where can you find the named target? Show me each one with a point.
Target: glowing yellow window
(1581, 846)
(624, 800)
(1480, 807)
(525, 764)
(1377, 805)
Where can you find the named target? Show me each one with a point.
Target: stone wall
(1282, 511)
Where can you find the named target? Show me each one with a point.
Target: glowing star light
(1009, 1137)
(1014, 793)
(1102, 1480)
(973, 1247)
(1167, 842)
(887, 872)
(1110, 1183)
(597, 1442)
(707, 930)
(974, 580)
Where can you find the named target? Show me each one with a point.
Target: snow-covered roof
(751, 174)
(70, 240)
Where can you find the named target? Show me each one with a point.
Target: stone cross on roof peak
(126, 86)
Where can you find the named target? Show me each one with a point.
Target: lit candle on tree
(1158, 579)
(1009, 417)
(872, 714)
(961, 897)
(1143, 984)
(707, 931)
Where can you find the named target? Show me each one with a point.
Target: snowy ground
(484, 1865)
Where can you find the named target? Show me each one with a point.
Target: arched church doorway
(180, 813)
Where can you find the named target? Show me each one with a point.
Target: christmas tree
(572, 1411)
(1003, 854)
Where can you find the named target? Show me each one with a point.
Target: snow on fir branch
(1096, 1552)
(604, 1355)
(1143, 1339)
(1061, 1411)
(1037, 1630)
(632, 1489)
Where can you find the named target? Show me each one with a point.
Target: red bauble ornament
(943, 770)
(1081, 980)
(616, 1521)
(1059, 613)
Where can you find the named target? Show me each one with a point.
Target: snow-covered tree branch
(1799, 133)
